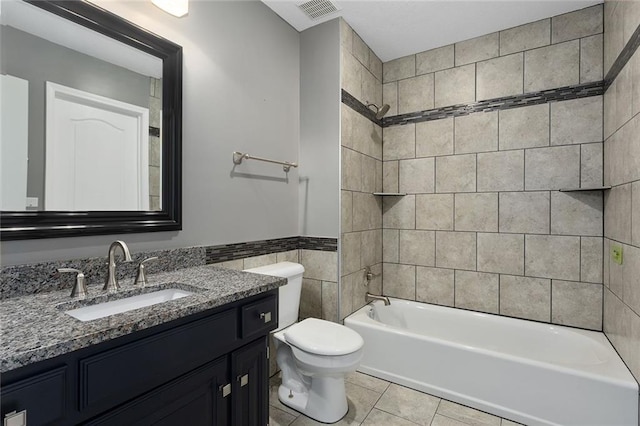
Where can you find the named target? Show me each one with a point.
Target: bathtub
(534, 373)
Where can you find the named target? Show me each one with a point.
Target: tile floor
(373, 401)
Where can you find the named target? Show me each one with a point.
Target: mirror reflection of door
(97, 152)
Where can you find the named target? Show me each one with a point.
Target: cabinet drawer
(120, 374)
(42, 395)
(259, 317)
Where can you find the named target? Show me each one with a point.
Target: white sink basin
(101, 310)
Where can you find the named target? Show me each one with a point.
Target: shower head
(380, 111)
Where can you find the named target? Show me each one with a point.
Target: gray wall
(320, 130)
(38, 61)
(241, 92)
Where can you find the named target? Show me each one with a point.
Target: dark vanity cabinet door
(249, 366)
(195, 399)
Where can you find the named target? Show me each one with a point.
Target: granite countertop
(35, 327)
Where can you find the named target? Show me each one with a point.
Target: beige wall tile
(552, 168)
(477, 49)
(375, 285)
(501, 171)
(614, 36)
(524, 297)
(390, 176)
(434, 211)
(346, 36)
(435, 60)
(351, 75)
(367, 137)
(330, 301)
(635, 82)
(417, 176)
(477, 291)
(359, 290)
(476, 212)
(591, 59)
(375, 65)
(609, 114)
(347, 117)
(257, 261)
(399, 281)
(415, 94)
(525, 37)
(635, 212)
(455, 86)
(591, 259)
(503, 253)
(367, 210)
(237, 264)
(346, 211)
(616, 271)
(576, 121)
(476, 133)
(288, 256)
(435, 285)
(399, 212)
(576, 213)
(622, 326)
(552, 66)
(631, 19)
(591, 160)
(391, 245)
(399, 142)
(631, 277)
(581, 23)
(456, 250)
(617, 213)
(551, 256)
(576, 304)
(351, 170)
(398, 69)
(360, 50)
(390, 96)
(500, 77)
(524, 212)
(456, 173)
(369, 174)
(320, 265)
(526, 127)
(624, 96)
(311, 299)
(417, 247)
(606, 260)
(371, 247)
(434, 138)
(371, 88)
(350, 250)
(347, 283)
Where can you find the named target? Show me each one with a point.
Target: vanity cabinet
(209, 368)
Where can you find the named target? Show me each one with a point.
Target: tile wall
(483, 226)
(361, 161)
(155, 146)
(622, 172)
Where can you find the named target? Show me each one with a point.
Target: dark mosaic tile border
(507, 102)
(359, 107)
(154, 131)
(622, 59)
(35, 278)
(226, 252)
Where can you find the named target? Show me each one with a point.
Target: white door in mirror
(101, 310)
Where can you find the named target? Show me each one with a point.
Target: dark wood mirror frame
(53, 224)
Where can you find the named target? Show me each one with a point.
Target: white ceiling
(396, 28)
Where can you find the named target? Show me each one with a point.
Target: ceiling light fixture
(177, 8)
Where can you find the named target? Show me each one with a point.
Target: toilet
(314, 355)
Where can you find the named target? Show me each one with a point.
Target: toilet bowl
(313, 355)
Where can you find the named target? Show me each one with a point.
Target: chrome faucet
(111, 284)
(369, 297)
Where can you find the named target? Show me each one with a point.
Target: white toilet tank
(289, 294)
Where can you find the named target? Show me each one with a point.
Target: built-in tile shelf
(390, 194)
(593, 188)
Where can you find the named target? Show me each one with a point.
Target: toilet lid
(323, 337)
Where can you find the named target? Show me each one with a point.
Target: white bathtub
(534, 373)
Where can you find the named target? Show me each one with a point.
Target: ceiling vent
(316, 9)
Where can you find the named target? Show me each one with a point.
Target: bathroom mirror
(90, 140)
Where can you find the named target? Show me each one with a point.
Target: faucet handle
(80, 288)
(141, 277)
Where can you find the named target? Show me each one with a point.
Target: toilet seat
(321, 337)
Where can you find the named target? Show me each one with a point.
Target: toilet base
(325, 400)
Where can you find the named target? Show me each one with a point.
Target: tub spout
(369, 297)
